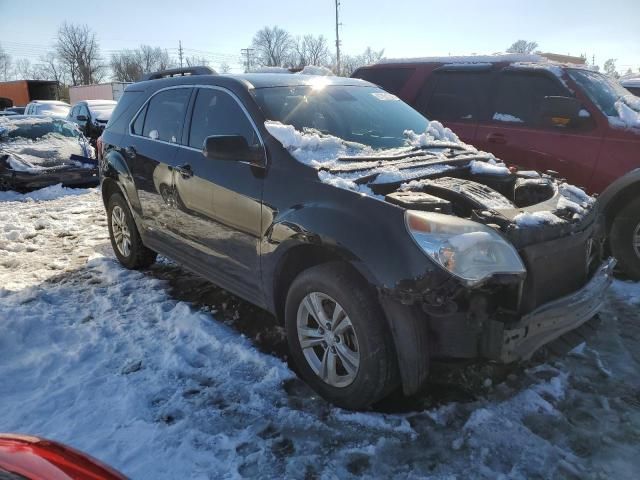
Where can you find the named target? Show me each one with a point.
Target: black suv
(379, 238)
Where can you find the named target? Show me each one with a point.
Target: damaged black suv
(379, 239)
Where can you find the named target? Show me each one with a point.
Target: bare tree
(310, 50)
(522, 46)
(5, 64)
(610, 68)
(51, 69)
(24, 70)
(274, 46)
(352, 62)
(224, 67)
(196, 61)
(131, 65)
(79, 52)
(125, 67)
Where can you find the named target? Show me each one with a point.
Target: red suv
(541, 116)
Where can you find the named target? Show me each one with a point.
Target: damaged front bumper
(551, 320)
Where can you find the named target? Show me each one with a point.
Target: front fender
(114, 168)
(621, 184)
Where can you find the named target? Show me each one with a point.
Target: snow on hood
(322, 152)
(50, 151)
(628, 110)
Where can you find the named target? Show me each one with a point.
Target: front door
(517, 133)
(218, 202)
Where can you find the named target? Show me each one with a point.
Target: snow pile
(316, 70)
(435, 133)
(455, 60)
(270, 70)
(489, 167)
(629, 116)
(533, 219)
(49, 151)
(48, 193)
(505, 117)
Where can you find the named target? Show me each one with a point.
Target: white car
(50, 108)
(632, 83)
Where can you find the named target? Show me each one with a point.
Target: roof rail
(179, 72)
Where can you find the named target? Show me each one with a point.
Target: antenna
(180, 52)
(337, 38)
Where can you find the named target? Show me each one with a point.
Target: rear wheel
(124, 235)
(338, 337)
(625, 239)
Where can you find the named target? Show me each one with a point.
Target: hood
(48, 152)
(437, 172)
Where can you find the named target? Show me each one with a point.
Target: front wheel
(338, 337)
(124, 235)
(625, 239)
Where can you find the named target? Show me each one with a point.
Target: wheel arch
(618, 194)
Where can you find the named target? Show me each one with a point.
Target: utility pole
(337, 38)
(248, 52)
(180, 52)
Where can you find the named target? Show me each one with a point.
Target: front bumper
(70, 176)
(553, 319)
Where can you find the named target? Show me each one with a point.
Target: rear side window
(455, 96)
(518, 97)
(389, 79)
(165, 115)
(217, 113)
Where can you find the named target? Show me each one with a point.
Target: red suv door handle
(496, 138)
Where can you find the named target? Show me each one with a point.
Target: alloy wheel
(120, 229)
(328, 339)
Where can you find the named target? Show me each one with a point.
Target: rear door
(151, 152)
(219, 202)
(456, 97)
(516, 132)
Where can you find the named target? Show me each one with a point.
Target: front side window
(456, 96)
(217, 113)
(518, 98)
(165, 115)
(366, 115)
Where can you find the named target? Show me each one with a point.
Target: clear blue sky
(404, 28)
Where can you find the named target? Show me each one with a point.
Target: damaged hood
(437, 172)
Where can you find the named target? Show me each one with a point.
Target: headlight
(469, 250)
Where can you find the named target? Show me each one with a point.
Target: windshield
(602, 91)
(36, 129)
(365, 115)
(49, 109)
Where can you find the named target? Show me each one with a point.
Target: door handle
(184, 170)
(496, 138)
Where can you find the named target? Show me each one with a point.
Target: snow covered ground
(164, 376)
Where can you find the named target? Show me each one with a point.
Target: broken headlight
(469, 250)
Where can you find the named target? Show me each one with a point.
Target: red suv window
(390, 79)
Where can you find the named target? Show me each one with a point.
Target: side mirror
(81, 118)
(231, 147)
(560, 111)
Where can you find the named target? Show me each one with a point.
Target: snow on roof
(270, 70)
(501, 57)
(100, 102)
(630, 81)
(316, 70)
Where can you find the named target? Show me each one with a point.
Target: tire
(360, 332)
(132, 253)
(625, 239)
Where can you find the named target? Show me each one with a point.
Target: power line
(180, 52)
(248, 52)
